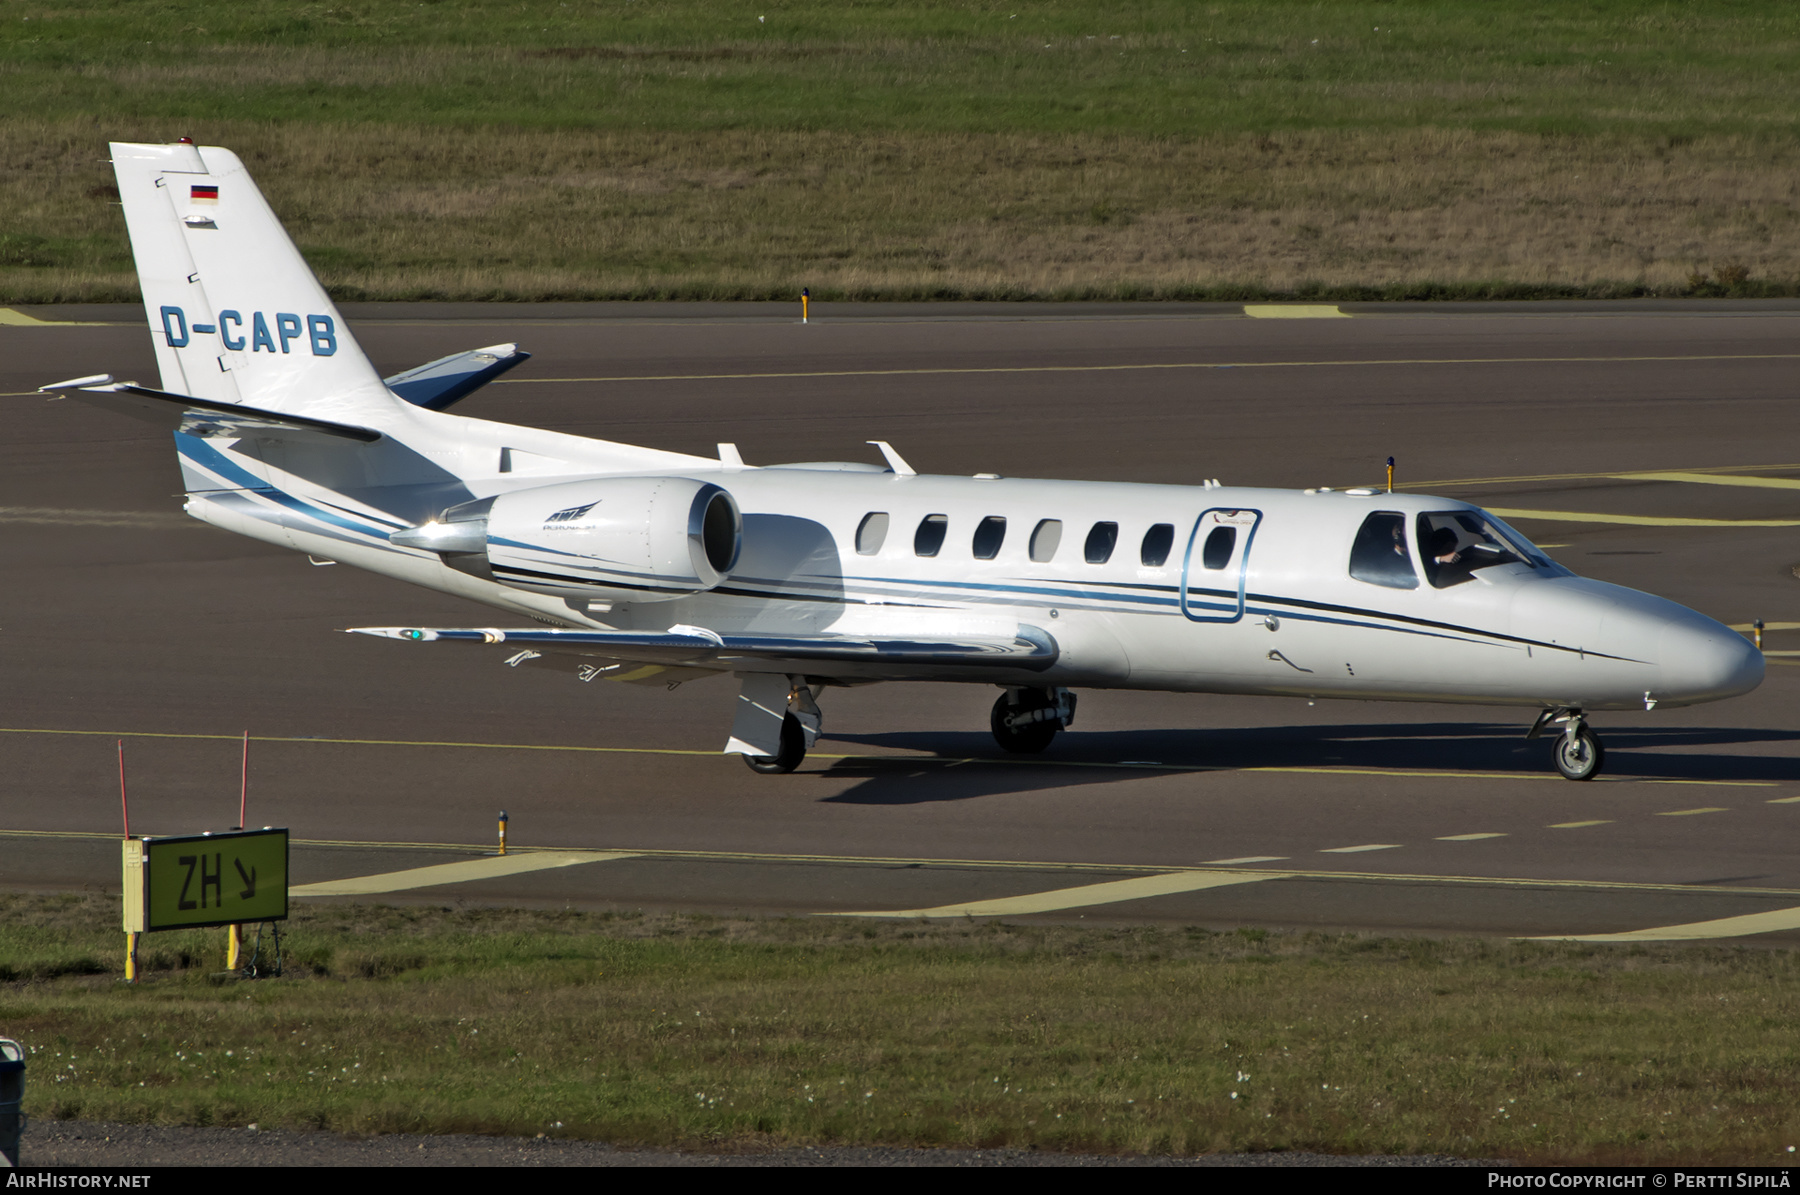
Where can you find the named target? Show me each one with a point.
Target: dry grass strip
(407, 212)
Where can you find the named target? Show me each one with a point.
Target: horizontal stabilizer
(1030, 650)
(437, 384)
(200, 416)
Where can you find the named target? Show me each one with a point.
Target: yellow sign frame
(193, 881)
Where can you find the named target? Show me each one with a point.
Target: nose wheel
(1577, 754)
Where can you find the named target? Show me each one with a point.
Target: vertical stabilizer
(235, 312)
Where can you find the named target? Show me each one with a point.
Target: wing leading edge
(1030, 650)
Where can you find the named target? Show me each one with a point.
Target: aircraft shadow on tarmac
(1664, 753)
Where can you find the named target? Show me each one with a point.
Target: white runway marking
(1725, 927)
(455, 873)
(1112, 892)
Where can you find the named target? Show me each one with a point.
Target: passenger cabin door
(1214, 570)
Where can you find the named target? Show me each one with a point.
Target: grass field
(750, 1034)
(488, 149)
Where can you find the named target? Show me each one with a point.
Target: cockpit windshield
(1453, 544)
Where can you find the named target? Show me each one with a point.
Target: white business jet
(640, 565)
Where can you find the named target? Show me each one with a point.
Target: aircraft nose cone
(1702, 660)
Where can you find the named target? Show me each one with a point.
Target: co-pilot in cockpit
(1452, 544)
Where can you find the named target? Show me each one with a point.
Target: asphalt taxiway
(1655, 445)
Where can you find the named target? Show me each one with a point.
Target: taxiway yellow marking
(1780, 654)
(146, 520)
(1692, 812)
(18, 319)
(1718, 783)
(1468, 837)
(1767, 626)
(455, 873)
(1245, 859)
(1136, 888)
(1762, 483)
(1292, 311)
(1578, 825)
(1448, 482)
(1146, 365)
(1581, 516)
(1724, 927)
(1785, 801)
(1356, 850)
(1074, 866)
(897, 760)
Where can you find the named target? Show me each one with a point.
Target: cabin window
(1217, 552)
(1046, 537)
(1100, 542)
(930, 535)
(1379, 554)
(1157, 542)
(990, 533)
(1454, 543)
(871, 533)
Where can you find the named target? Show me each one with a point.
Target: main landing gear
(765, 698)
(1025, 720)
(788, 757)
(1578, 754)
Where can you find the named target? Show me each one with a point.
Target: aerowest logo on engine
(573, 519)
(261, 333)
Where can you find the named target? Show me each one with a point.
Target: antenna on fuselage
(894, 459)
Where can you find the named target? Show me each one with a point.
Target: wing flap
(1030, 650)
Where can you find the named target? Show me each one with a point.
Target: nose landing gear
(1578, 754)
(1026, 720)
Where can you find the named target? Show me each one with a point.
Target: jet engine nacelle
(639, 539)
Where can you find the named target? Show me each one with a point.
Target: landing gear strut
(1026, 720)
(1578, 754)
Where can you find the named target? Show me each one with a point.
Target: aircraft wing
(202, 416)
(1030, 650)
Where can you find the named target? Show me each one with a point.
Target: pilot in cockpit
(1446, 561)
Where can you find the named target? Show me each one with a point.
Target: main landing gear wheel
(1579, 754)
(788, 756)
(1014, 732)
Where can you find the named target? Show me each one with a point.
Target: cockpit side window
(1454, 543)
(1379, 554)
